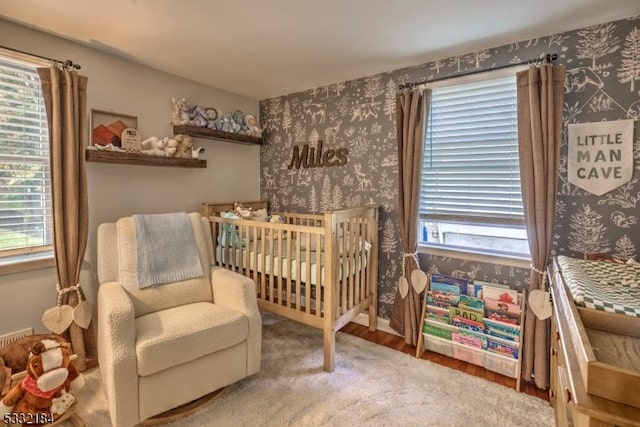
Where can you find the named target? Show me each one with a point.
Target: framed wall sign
(107, 127)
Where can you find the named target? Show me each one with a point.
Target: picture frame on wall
(107, 127)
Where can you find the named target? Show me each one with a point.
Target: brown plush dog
(50, 374)
(15, 355)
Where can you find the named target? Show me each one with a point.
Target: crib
(320, 270)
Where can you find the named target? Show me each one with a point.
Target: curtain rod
(66, 63)
(549, 57)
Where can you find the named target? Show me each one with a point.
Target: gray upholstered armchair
(163, 346)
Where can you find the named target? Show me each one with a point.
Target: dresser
(595, 362)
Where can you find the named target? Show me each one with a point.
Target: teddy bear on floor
(47, 390)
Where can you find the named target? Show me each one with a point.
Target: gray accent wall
(603, 83)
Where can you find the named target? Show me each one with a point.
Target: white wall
(116, 84)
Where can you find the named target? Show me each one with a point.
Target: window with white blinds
(25, 190)
(471, 194)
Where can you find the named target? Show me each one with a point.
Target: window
(471, 197)
(25, 190)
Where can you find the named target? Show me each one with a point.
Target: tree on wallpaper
(478, 57)
(325, 194)
(437, 65)
(588, 233)
(286, 116)
(389, 242)
(390, 100)
(313, 200)
(629, 71)
(624, 249)
(596, 42)
(373, 87)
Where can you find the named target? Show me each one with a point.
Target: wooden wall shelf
(141, 159)
(201, 132)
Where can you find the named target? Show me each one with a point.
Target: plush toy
(47, 390)
(227, 124)
(184, 146)
(153, 146)
(180, 111)
(196, 151)
(198, 116)
(252, 126)
(170, 146)
(14, 355)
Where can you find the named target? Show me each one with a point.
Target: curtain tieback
(62, 291)
(405, 255)
(542, 273)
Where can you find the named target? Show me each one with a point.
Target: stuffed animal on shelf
(153, 146)
(180, 111)
(46, 392)
(196, 151)
(14, 356)
(170, 146)
(253, 129)
(227, 124)
(198, 116)
(184, 146)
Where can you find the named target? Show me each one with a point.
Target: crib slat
(307, 288)
(262, 262)
(298, 276)
(360, 259)
(342, 241)
(255, 255)
(271, 251)
(281, 260)
(289, 265)
(318, 275)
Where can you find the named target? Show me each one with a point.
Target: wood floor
(397, 343)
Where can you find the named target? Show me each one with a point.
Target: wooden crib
(320, 270)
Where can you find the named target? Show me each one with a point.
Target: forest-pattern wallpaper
(602, 83)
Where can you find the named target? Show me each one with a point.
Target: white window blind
(471, 170)
(25, 190)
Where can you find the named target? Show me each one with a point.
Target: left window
(25, 183)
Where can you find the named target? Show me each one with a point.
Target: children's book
(468, 340)
(500, 316)
(501, 348)
(471, 303)
(505, 307)
(448, 280)
(465, 313)
(502, 327)
(467, 324)
(509, 296)
(436, 331)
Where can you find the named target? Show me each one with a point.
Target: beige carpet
(371, 385)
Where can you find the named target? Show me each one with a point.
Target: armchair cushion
(177, 335)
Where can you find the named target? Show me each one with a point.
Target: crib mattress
(346, 265)
(605, 286)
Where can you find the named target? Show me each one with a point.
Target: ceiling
(266, 48)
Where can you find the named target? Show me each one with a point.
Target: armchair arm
(238, 292)
(117, 353)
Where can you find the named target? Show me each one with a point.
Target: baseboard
(383, 324)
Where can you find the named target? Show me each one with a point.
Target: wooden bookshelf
(206, 133)
(482, 356)
(119, 157)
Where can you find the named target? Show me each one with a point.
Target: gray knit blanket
(167, 250)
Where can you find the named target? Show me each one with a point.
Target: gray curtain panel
(540, 101)
(65, 96)
(411, 119)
